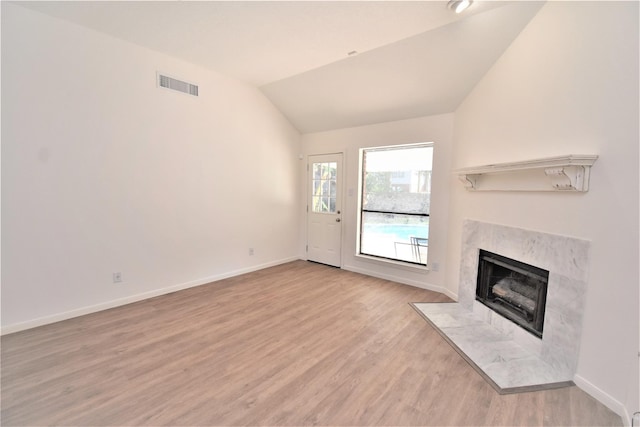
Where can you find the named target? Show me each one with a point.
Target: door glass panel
(324, 187)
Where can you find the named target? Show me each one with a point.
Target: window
(395, 200)
(323, 198)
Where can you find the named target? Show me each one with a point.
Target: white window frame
(376, 258)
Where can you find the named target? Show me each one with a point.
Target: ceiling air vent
(179, 85)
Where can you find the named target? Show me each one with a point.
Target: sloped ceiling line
(430, 73)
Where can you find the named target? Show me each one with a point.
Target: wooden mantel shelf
(562, 173)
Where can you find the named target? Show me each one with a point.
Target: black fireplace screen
(513, 289)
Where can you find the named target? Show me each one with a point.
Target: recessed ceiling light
(459, 5)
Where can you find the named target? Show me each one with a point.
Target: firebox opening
(513, 289)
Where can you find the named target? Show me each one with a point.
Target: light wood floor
(296, 344)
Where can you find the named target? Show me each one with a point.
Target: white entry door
(324, 219)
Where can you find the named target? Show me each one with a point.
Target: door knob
(337, 219)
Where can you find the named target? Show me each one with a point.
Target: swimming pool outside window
(396, 194)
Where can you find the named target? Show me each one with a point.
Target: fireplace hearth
(513, 289)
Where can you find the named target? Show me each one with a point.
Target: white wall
(568, 85)
(102, 171)
(436, 129)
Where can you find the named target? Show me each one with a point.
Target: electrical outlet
(117, 277)
(251, 252)
(435, 266)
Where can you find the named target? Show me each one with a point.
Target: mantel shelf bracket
(569, 178)
(566, 173)
(469, 181)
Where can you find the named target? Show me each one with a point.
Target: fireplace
(513, 289)
(567, 261)
(509, 353)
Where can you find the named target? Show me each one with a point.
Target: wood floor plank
(296, 344)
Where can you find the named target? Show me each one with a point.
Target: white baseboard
(17, 327)
(393, 278)
(604, 398)
(450, 294)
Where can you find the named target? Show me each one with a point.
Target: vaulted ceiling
(413, 58)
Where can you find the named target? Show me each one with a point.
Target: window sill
(393, 263)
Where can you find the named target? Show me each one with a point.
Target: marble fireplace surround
(510, 356)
